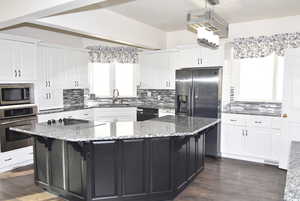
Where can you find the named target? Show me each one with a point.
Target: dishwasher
(146, 113)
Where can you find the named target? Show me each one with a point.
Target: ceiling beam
(107, 25)
(13, 12)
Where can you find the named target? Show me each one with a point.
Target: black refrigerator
(199, 94)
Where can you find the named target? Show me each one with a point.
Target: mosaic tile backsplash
(77, 97)
(73, 97)
(156, 96)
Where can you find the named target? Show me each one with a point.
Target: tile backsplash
(156, 96)
(73, 97)
(77, 97)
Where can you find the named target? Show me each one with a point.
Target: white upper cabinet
(188, 58)
(155, 70)
(17, 61)
(50, 77)
(201, 57)
(75, 69)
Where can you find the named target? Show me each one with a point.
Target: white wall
(109, 25)
(265, 27)
(180, 38)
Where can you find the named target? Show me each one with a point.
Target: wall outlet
(149, 94)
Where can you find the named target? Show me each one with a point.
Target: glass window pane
(257, 79)
(124, 79)
(100, 79)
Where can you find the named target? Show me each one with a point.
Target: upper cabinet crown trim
(44, 44)
(18, 38)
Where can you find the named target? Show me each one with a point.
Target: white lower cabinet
(251, 138)
(13, 159)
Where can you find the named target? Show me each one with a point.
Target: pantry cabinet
(17, 61)
(50, 77)
(253, 138)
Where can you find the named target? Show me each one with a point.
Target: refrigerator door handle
(191, 101)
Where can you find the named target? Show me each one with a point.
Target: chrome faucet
(115, 95)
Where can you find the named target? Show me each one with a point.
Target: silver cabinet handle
(246, 132)
(243, 132)
(49, 83)
(19, 71)
(8, 159)
(49, 95)
(16, 73)
(258, 122)
(233, 120)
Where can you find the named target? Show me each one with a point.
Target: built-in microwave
(13, 94)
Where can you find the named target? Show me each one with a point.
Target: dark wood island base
(148, 169)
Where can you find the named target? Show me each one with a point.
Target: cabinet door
(27, 62)
(7, 71)
(212, 57)
(258, 143)
(135, 167)
(161, 164)
(105, 168)
(190, 58)
(154, 70)
(233, 139)
(180, 161)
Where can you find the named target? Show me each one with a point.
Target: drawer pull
(86, 114)
(258, 122)
(8, 159)
(233, 120)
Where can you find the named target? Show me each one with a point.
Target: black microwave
(12, 94)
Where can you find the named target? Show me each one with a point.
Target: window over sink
(258, 79)
(105, 77)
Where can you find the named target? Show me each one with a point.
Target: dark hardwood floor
(222, 180)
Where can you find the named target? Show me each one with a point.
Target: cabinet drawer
(259, 122)
(233, 120)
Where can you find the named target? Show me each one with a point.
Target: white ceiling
(170, 15)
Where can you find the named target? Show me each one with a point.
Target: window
(106, 77)
(261, 79)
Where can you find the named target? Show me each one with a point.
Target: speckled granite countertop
(292, 188)
(83, 107)
(254, 112)
(166, 126)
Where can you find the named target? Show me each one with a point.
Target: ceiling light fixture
(208, 26)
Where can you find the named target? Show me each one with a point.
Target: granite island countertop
(292, 188)
(167, 126)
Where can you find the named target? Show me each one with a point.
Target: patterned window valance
(103, 54)
(263, 46)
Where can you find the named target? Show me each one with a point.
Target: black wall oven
(11, 140)
(14, 116)
(13, 94)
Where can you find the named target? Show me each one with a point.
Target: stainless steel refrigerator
(199, 94)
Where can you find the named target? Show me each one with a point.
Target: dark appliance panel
(146, 113)
(11, 140)
(184, 83)
(205, 93)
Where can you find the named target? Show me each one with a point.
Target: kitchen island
(89, 160)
